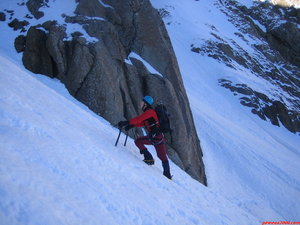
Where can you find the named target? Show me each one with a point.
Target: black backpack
(163, 118)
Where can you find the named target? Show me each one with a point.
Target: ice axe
(120, 131)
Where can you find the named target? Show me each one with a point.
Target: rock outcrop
(274, 59)
(34, 6)
(94, 65)
(2, 16)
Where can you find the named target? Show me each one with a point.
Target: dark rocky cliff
(98, 73)
(270, 51)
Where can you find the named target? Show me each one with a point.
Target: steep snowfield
(249, 161)
(59, 165)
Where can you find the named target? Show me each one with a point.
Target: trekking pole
(126, 138)
(120, 130)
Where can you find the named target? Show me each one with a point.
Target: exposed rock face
(274, 59)
(2, 16)
(99, 74)
(20, 43)
(18, 25)
(36, 57)
(282, 36)
(263, 106)
(34, 6)
(285, 38)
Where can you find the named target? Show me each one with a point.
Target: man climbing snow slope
(150, 121)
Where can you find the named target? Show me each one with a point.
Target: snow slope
(59, 165)
(251, 162)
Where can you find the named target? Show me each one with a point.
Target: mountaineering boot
(166, 167)
(148, 159)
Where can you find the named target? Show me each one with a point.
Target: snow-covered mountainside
(284, 3)
(89, 50)
(259, 46)
(59, 165)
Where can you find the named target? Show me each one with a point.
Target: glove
(128, 127)
(122, 124)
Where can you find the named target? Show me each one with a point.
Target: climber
(149, 120)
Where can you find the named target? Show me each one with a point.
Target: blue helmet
(148, 99)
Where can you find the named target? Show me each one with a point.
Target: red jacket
(147, 119)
